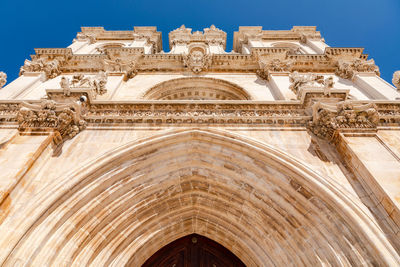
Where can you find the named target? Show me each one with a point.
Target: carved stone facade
(328, 118)
(284, 150)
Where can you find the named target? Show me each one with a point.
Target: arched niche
(196, 88)
(101, 48)
(258, 202)
(294, 48)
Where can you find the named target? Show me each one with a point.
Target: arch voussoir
(260, 203)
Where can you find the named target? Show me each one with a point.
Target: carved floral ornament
(329, 118)
(51, 67)
(3, 79)
(346, 69)
(63, 118)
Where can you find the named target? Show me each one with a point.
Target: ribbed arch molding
(196, 88)
(261, 204)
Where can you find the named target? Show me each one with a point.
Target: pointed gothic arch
(264, 206)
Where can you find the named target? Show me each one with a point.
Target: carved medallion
(197, 60)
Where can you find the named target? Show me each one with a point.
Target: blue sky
(372, 24)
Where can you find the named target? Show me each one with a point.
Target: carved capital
(347, 69)
(330, 118)
(49, 115)
(395, 80)
(3, 79)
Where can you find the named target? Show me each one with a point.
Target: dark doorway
(193, 251)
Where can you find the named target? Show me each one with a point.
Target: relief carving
(3, 79)
(347, 69)
(274, 65)
(52, 68)
(210, 35)
(63, 118)
(310, 80)
(197, 60)
(395, 80)
(116, 64)
(96, 83)
(328, 118)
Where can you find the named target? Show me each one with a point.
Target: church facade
(283, 152)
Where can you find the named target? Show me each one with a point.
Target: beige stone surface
(286, 151)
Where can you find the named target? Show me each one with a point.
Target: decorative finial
(396, 79)
(3, 79)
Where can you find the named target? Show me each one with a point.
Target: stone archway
(261, 204)
(194, 251)
(196, 88)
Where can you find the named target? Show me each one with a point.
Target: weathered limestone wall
(163, 163)
(286, 151)
(362, 88)
(92, 143)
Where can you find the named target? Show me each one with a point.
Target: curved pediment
(196, 88)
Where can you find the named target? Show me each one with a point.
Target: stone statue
(3, 79)
(396, 79)
(64, 83)
(97, 83)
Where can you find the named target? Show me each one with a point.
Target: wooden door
(193, 251)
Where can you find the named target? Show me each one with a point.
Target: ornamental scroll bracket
(329, 119)
(65, 119)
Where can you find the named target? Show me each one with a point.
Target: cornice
(345, 62)
(183, 112)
